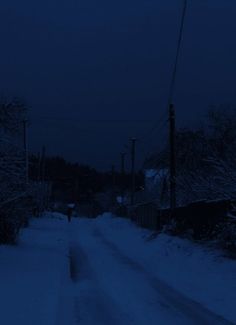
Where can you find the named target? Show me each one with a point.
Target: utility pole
(42, 164)
(172, 113)
(39, 167)
(172, 158)
(133, 156)
(76, 190)
(123, 154)
(42, 176)
(113, 179)
(26, 152)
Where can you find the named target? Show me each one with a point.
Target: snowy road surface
(108, 271)
(109, 287)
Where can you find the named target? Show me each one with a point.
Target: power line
(72, 119)
(171, 108)
(163, 120)
(174, 73)
(162, 139)
(164, 117)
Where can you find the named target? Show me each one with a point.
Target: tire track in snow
(91, 304)
(119, 294)
(172, 299)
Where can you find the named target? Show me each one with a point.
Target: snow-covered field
(108, 271)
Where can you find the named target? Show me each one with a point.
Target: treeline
(77, 182)
(206, 160)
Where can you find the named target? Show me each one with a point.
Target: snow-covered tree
(206, 159)
(14, 194)
(12, 151)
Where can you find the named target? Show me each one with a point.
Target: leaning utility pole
(123, 154)
(133, 156)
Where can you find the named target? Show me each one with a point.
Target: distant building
(154, 178)
(156, 185)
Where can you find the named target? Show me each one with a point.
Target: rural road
(108, 287)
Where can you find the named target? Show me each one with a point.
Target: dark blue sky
(97, 72)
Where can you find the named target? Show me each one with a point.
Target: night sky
(96, 73)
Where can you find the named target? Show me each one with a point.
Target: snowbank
(32, 272)
(199, 272)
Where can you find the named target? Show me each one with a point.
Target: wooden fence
(199, 218)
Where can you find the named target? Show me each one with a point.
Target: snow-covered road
(108, 271)
(110, 287)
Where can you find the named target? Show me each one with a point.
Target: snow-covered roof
(150, 173)
(153, 173)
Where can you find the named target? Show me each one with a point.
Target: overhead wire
(176, 60)
(163, 119)
(174, 72)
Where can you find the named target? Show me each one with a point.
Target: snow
(71, 205)
(31, 273)
(108, 271)
(200, 273)
(150, 173)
